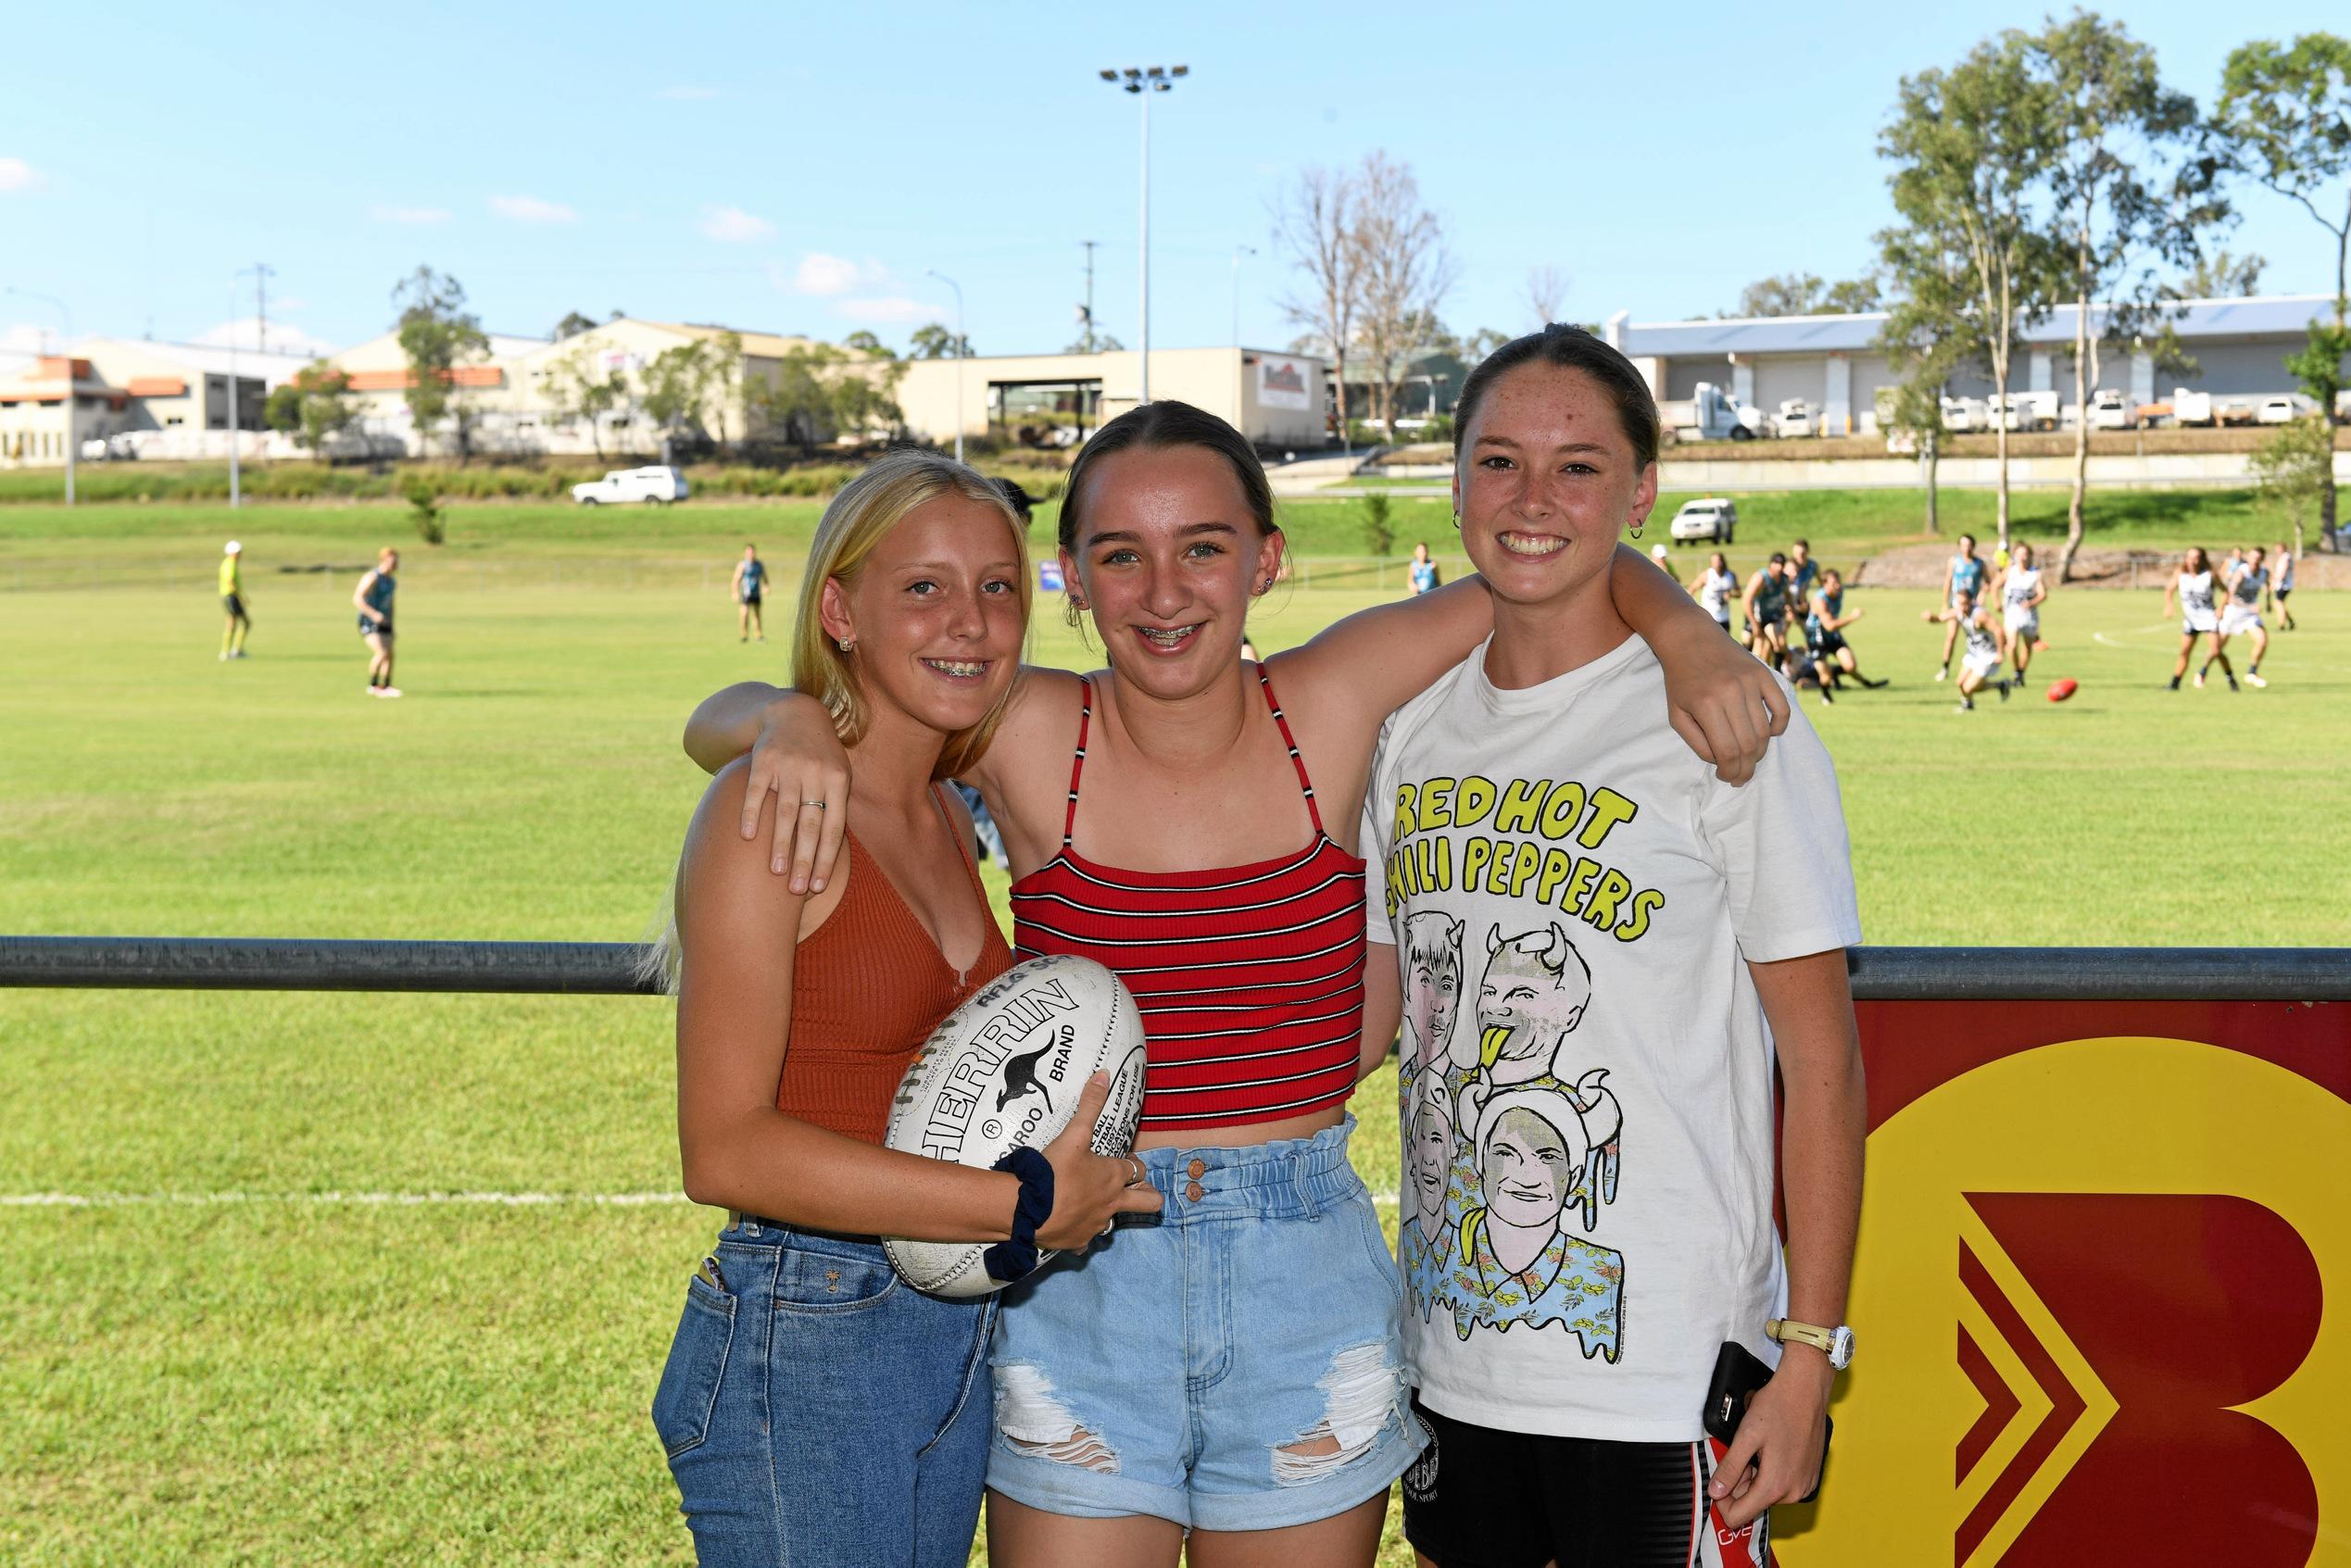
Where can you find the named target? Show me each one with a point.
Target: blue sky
(799, 169)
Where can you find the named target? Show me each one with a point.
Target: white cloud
(689, 95)
(827, 275)
(246, 335)
(531, 209)
(17, 175)
(385, 212)
(25, 338)
(890, 309)
(734, 225)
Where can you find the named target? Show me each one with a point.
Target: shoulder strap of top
(955, 834)
(1078, 763)
(1296, 762)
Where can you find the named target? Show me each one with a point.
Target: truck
(1711, 414)
(2021, 411)
(657, 485)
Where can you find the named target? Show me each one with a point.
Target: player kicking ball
(1647, 936)
(1987, 643)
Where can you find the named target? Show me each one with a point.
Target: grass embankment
(275, 1352)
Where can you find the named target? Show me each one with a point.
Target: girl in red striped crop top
(1197, 862)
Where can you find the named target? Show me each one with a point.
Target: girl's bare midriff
(1248, 1135)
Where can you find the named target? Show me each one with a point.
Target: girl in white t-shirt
(2191, 587)
(1591, 1153)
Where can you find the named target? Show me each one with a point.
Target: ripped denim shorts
(1231, 1364)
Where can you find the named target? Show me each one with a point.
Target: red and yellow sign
(2089, 1297)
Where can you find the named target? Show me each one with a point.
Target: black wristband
(1009, 1260)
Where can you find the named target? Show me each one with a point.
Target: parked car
(2282, 409)
(2110, 410)
(657, 485)
(1961, 415)
(1795, 418)
(1711, 518)
(2021, 411)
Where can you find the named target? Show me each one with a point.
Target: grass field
(242, 1327)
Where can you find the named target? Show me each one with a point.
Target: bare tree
(1313, 226)
(1546, 294)
(1405, 270)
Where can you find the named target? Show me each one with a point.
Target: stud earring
(846, 643)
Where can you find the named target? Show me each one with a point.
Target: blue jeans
(820, 1410)
(1233, 1362)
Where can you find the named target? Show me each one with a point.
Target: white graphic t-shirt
(1586, 1075)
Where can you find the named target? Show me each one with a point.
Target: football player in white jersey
(2246, 580)
(2281, 586)
(2192, 586)
(1979, 666)
(1715, 588)
(2021, 593)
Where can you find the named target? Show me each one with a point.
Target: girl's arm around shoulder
(1364, 667)
(1722, 702)
(738, 928)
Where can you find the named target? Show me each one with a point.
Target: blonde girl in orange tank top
(815, 1408)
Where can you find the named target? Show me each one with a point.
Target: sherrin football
(2063, 689)
(1004, 1070)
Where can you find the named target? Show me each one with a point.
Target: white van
(657, 484)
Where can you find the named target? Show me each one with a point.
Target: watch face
(1840, 1349)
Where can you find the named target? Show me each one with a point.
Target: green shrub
(1379, 523)
(424, 508)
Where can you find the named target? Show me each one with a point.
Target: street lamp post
(935, 272)
(1144, 81)
(1238, 251)
(73, 392)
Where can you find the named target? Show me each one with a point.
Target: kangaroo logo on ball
(1020, 1071)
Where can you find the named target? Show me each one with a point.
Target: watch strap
(1785, 1329)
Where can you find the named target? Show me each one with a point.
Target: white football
(1004, 1072)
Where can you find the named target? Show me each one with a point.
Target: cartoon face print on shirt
(1534, 992)
(1432, 987)
(1536, 1150)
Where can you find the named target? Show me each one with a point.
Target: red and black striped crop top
(1249, 978)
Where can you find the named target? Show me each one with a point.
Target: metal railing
(1880, 974)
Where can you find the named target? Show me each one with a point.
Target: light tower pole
(935, 272)
(1144, 81)
(73, 392)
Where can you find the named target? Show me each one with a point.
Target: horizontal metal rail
(1880, 974)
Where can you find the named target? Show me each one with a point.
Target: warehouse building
(1834, 363)
(1276, 399)
(134, 394)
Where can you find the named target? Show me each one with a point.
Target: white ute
(657, 484)
(1712, 519)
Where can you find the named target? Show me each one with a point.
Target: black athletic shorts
(234, 605)
(367, 626)
(751, 601)
(1484, 1498)
(1827, 643)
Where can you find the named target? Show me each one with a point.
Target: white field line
(372, 1200)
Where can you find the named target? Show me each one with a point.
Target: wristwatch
(1835, 1342)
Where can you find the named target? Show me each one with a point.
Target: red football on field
(2063, 689)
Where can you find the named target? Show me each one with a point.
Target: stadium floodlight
(73, 392)
(1135, 80)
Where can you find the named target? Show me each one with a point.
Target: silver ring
(818, 804)
(1137, 1179)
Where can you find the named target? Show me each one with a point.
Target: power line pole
(263, 273)
(1089, 245)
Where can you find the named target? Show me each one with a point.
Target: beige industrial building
(1275, 399)
(509, 397)
(132, 395)
(1834, 363)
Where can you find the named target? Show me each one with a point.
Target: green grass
(227, 1377)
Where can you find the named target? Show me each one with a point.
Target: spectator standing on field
(232, 600)
(373, 598)
(749, 587)
(1423, 571)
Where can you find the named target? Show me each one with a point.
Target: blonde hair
(858, 520)
(860, 516)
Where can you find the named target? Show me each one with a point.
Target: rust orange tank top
(868, 987)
